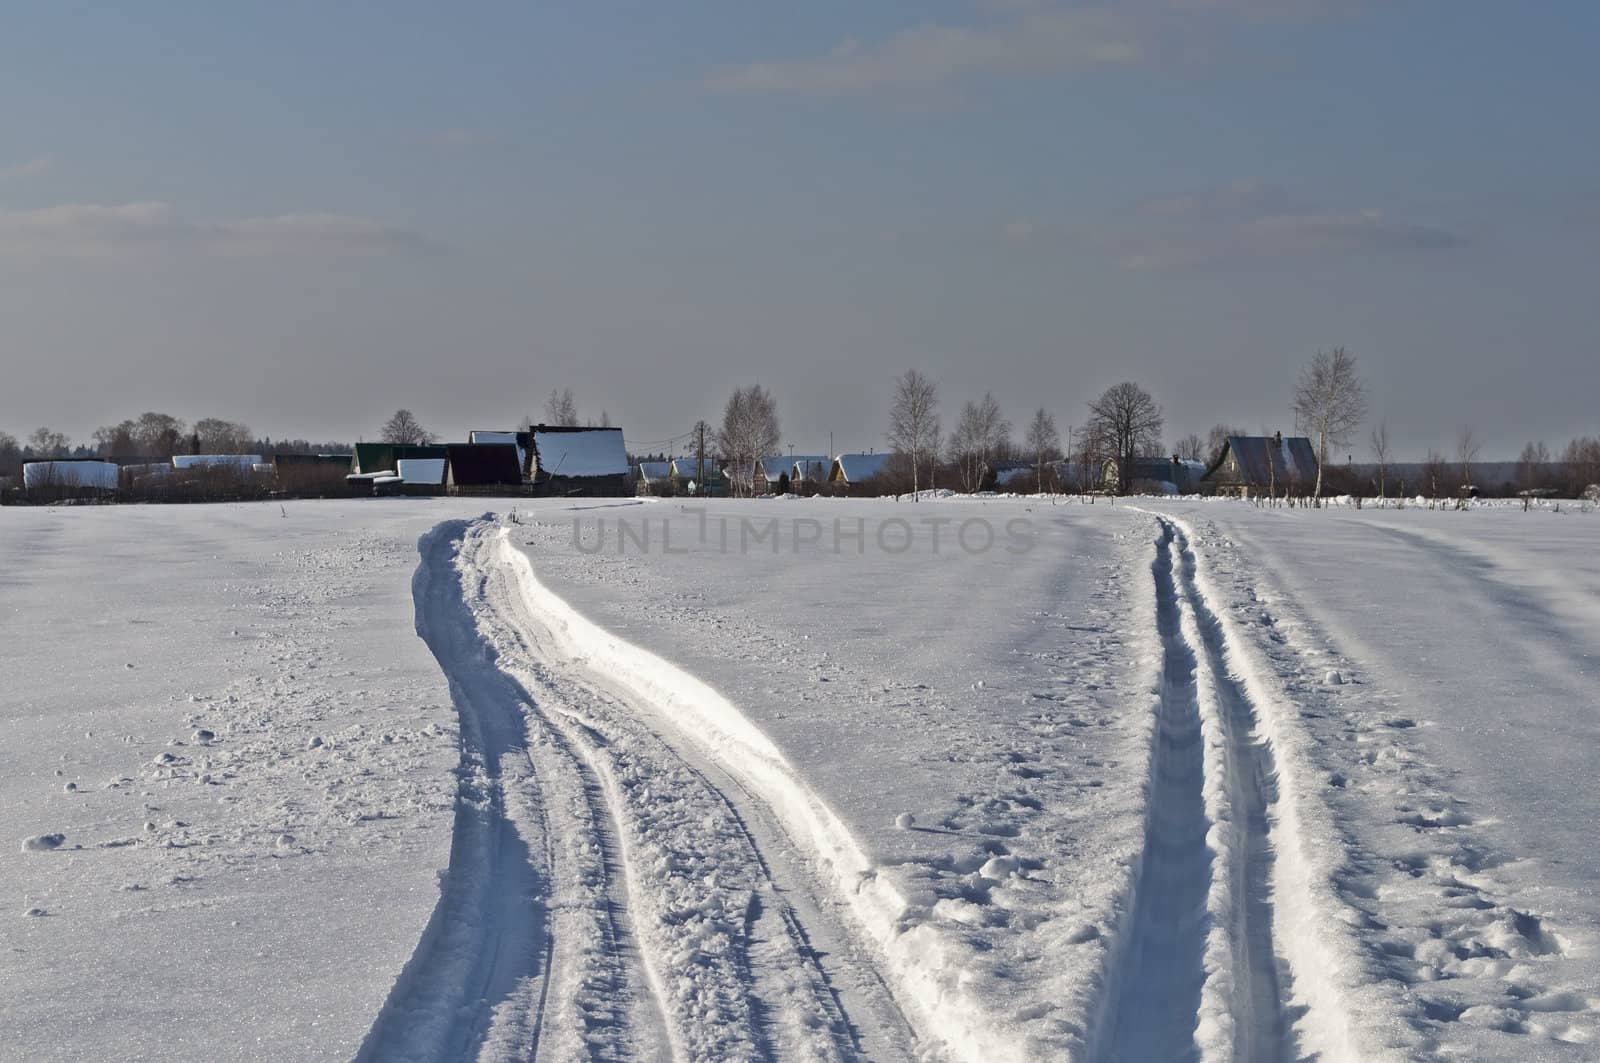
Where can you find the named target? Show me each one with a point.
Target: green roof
(377, 457)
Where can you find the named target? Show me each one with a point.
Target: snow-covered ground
(955, 779)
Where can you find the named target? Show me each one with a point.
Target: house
(653, 478)
(854, 473)
(579, 461)
(384, 457)
(1159, 476)
(475, 467)
(1272, 465)
(705, 476)
(809, 474)
(769, 471)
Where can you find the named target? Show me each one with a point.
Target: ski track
(606, 898)
(1199, 976)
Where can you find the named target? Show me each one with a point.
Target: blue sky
(305, 215)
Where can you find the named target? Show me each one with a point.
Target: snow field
(1429, 929)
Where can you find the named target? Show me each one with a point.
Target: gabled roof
(688, 468)
(811, 468)
(855, 468)
(783, 465)
(578, 452)
(654, 471)
(482, 465)
(1264, 460)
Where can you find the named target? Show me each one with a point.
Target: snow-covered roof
(1263, 460)
(854, 468)
(653, 471)
(783, 465)
(580, 452)
(689, 468)
(421, 470)
(811, 468)
(195, 461)
(97, 474)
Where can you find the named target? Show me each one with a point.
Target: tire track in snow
(1199, 977)
(728, 957)
(525, 955)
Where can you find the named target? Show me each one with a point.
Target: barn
(480, 468)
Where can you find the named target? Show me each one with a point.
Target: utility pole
(700, 454)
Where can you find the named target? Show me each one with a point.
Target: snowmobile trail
(529, 951)
(1200, 976)
(605, 898)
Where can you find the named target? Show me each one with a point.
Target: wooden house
(1256, 465)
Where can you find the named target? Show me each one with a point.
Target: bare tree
(1191, 448)
(914, 422)
(561, 409)
(1467, 449)
(404, 429)
(1218, 438)
(217, 436)
(979, 434)
(1126, 421)
(1378, 441)
(46, 443)
(1434, 470)
(158, 435)
(1581, 464)
(1329, 402)
(116, 439)
(749, 433)
(1044, 443)
(1533, 466)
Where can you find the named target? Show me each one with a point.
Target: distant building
(385, 457)
(1253, 465)
(706, 476)
(856, 473)
(1160, 476)
(475, 467)
(578, 461)
(653, 478)
(769, 471)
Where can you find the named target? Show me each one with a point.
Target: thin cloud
(1031, 43)
(112, 230)
(1017, 38)
(1249, 221)
(31, 168)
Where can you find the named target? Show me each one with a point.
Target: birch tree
(749, 433)
(1044, 442)
(1330, 401)
(1378, 441)
(914, 421)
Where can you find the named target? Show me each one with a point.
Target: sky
(303, 216)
